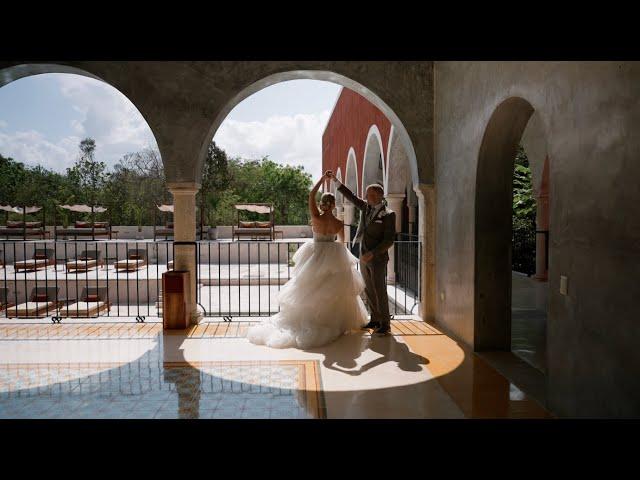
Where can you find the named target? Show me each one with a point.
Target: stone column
(412, 219)
(184, 221)
(542, 224)
(348, 214)
(427, 235)
(395, 204)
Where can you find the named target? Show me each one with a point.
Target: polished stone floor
(126, 370)
(529, 304)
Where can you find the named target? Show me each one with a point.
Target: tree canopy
(136, 184)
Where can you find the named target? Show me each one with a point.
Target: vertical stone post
(395, 204)
(427, 235)
(184, 221)
(348, 217)
(412, 219)
(542, 225)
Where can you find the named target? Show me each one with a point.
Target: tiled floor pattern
(148, 389)
(211, 371)
(122, 330)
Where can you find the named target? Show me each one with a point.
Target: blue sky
(44, 117)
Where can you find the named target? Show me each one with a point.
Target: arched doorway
(369, 166)
(493, 222)
(373, 170)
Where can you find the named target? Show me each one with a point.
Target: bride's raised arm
(313, 207)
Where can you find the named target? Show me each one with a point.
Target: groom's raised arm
(349, 195)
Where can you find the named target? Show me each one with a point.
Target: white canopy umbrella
(165, 208)
(83, 208)
(20, 210)
(251, 207)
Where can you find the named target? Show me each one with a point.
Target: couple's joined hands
(366, 257)
(329, 174)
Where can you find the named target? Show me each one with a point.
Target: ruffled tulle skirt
(319, 303)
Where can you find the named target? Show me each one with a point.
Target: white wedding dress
(320, 302)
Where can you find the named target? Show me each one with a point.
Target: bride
(322, 300)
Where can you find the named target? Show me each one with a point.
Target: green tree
(88, 175)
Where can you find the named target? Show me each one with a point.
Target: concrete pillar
(412, 219)
(427, 235)
(348, 219)
(184, 221)
(542, 225)
(349, 213)
(395, 204)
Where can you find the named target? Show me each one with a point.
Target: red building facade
(359, 126)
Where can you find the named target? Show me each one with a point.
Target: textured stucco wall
(590, 115)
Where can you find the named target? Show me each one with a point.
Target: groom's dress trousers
(376, 232)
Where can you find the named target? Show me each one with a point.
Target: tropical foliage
(136, 184)
(524, 216)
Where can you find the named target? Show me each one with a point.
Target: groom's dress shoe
(382, 331)
(371, 325)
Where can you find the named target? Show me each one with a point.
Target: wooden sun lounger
(32, 309)
(130, 265)
(92, 303)
(36, 306)
(81, 265)
(85, 309)
(23, 233)
(42, 258)
(4, 300)
(83, 232)
(31, 264)
(87, 260)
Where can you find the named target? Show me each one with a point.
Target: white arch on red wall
(351, 171)
(335, 191)
(373, 132)
(386, 161)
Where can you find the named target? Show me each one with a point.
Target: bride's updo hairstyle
(327, 202)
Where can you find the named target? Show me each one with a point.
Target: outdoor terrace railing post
(184, 201)
(427, 237)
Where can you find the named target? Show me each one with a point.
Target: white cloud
(33, 148)
(107, 116)
(292, 140)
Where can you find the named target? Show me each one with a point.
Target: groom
(376, 232)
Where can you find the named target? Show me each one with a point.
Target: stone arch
(17, 72)
(351, 173)
(336, 193)
(493, 212)
(325, 75)
(398, 176)
(373, 169)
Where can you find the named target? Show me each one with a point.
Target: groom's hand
(328, 174)
(367, 257)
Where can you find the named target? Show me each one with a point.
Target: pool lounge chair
(136, 259)
(42, 258)
(4, 299)
(42, 302)
(87, 260)
(93, 302)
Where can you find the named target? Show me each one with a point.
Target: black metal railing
(82, 279)
(242, 279)
(407, 262)
(53, 280)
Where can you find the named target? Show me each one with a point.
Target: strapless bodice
(318, 237)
